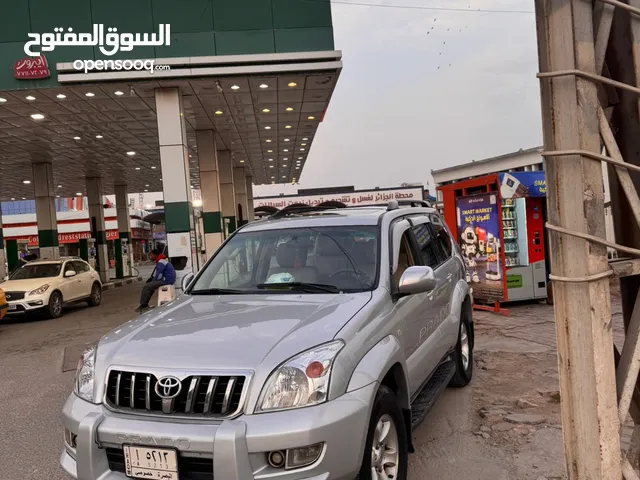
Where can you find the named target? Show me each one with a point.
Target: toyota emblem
(168, 387)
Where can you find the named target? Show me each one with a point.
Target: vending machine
(523, 236)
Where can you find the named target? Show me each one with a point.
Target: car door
(69, 286)
(414, 310)
(83, 272)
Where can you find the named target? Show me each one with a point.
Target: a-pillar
(124, 233)
(3, 266)
(46, 211)
(227, 191)
(95, 199)
(174, 159)
(210, 191)
(249, 179)
(240, 186)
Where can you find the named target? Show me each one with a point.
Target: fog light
(276, 459)
(303, 456)
(70, 438)
(36, 303)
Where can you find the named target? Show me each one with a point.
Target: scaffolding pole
(575, 197)
(589, 60)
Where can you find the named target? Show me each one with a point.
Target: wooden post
(575, 201)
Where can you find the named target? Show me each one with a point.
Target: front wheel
(386, 452)
(96, 295)
(54, 309)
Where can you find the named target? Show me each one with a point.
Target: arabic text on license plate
(151, 463)
(12, 307)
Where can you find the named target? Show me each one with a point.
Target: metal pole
(576, 202)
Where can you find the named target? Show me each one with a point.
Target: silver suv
(308, 347)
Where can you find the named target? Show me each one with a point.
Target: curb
(121, 283)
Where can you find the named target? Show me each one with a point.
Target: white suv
(48, 285)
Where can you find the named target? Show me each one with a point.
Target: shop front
(498, 221)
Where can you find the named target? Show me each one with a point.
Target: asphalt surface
(33, 389)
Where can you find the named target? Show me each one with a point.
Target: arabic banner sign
(523, 184)
(354, 199)
(479, 237)
(31, 68)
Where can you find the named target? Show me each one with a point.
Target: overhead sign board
(353, 199)
(31, 68)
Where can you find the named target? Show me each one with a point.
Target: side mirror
(69, 273)
(186, 280)
(417, 279)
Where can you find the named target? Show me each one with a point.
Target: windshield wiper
(301, 286)
(217, 291)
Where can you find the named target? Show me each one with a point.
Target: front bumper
(238, 448)
(30, 303)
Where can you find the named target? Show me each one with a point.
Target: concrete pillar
(249, 179)
(227, 191)
(46, 211)
(174, 160)
(124, 231)
(210, 191)
(3, 266)
(240, 187)
(95, 199)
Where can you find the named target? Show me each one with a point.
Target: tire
(54, 309)
(96, 295)
(385, 410)
(463, 354)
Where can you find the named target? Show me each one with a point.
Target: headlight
(85, 374)
(301, 381)
(39, 291)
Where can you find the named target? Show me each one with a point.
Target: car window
(344, 258)
(405, 259)
(38, 270)
(443, 237)
(69, 267)
(80, 267)
(428, 245)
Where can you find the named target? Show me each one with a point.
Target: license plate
(151, 463)
(12, 307)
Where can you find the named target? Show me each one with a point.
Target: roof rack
(298, 209)
(396, 204)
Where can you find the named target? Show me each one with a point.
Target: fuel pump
(92, 252)
(126, 257)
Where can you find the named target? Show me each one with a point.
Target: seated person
(163, 274)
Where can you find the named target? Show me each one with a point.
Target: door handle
(449, 276)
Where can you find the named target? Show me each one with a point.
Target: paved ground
(467, 435)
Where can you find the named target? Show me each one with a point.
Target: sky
(395, 115)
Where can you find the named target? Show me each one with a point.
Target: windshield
(41, 270)
(313, 260)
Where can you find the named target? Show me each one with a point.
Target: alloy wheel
(385, 457)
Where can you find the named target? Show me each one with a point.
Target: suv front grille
(200, 395)
(13, 296)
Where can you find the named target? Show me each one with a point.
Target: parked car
(308, 347)
(46, 286)
(3, 304)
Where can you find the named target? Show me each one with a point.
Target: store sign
(478, 224)
(31, 68)
(523, 184)
(64, 238)
(354, 199)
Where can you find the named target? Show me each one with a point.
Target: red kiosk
(498, 221)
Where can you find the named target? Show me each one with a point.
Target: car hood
(228, 332)
(25, 285)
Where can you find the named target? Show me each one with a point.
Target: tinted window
(81, 267)
(444, 240)
(428, 245)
